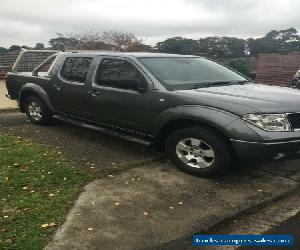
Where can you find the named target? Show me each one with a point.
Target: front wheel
(36, 111)
(199, 151)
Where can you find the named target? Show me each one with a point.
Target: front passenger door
(121, 95)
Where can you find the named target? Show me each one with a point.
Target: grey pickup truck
(203, 115)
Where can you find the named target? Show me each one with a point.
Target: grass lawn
(37, 188)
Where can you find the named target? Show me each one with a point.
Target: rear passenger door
(121, 94)
(69, 88)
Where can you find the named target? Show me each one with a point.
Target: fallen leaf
(5, 216)
(51, 195)
(32, 191)
(6, 178)
(52, 224)
(24, 188)
(8, 241)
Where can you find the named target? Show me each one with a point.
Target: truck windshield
(190, 72)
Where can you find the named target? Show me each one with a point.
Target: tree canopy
(282, 41)
(275, 41)
(109, 40)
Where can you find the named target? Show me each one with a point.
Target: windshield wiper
(218, 83)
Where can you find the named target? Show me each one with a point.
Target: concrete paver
(5, 103)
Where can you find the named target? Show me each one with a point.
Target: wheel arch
(169, 127)
(31, 89)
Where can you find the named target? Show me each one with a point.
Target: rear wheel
(36, 111)
(199, 151)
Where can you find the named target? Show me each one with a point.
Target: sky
(31, 21)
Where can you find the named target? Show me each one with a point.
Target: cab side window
(75, 69)
(119, 74)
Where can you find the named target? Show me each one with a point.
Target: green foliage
(241, 65)
(3, 50)
(14, 48)
(37, 186)
(179, 45)
(282, 41)
(39, 46)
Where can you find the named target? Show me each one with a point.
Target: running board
(103, 130)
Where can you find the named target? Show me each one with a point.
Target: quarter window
(119, 74)
(76, 68)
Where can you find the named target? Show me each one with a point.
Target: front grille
(294, 120)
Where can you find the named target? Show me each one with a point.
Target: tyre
(199, 151)
(36, 111)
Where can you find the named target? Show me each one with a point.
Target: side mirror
(141, 86)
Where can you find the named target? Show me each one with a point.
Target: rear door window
(75, 69)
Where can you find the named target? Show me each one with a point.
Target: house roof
(7, 60)
(28, 62)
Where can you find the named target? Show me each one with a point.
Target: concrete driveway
(5, 103)
(152, 204)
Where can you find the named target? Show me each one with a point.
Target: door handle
(94, 92)
(57, 87)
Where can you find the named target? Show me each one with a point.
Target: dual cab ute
(202, 114)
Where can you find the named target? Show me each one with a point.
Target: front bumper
(248, 152)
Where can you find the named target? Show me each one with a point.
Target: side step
(108, 131)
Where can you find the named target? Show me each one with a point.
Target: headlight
(269, 122)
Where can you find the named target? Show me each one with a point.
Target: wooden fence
(276, 69)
